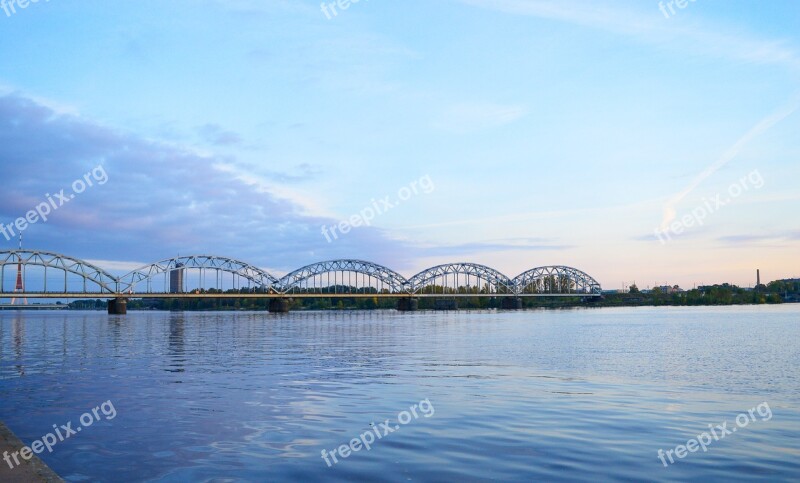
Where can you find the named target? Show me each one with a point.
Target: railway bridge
(34, 274)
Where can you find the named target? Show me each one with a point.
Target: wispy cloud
(670, 208)
(216, 135)
(696, 37)
(788, 236)
(469, 117)
(275, 185)
(493, 246)
(518, 217)
(251, 7)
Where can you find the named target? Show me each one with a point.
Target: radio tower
(20, 286)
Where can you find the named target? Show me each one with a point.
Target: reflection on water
(17, 334)
(176, 342)
(518, 395)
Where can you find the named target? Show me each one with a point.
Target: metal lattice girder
(392, 279)
(555, 279)
(105, 281)
(497, 281)
(540, 280)
(254, 274)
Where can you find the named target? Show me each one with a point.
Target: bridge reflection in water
(55, 276)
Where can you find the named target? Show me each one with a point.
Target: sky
(635, 140)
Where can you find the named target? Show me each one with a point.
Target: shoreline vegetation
(777, 292)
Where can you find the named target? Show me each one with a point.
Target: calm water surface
(514, 396)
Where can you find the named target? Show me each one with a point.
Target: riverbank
(33, 470)
(777, 292)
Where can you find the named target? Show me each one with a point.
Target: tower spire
(20, 285)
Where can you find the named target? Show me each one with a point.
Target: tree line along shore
(777, 292)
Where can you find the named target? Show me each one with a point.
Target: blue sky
(554, 132)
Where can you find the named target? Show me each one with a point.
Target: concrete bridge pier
(511, 303)
(407, 304)
(117, 307)
(279, 306)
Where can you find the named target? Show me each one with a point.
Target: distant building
(759, 286)
(176, 279)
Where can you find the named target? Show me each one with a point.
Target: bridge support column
(407, 304)
(118, 307)
(279, 306)
(511, 303)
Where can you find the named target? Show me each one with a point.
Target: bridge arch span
(311, 276)
(88, 272)
(494, 281)
(237, 268)
(556, 279)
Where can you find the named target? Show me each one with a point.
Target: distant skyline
(604, 135)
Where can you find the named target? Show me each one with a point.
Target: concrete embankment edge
(33, 470)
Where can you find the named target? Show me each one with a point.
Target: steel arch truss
(259, 277)
(556, 280)
(498, 283)
(541, 281)
(393, 280)
(88, 272)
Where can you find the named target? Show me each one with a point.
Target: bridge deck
(35, 296)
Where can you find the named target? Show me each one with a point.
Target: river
(557, 395)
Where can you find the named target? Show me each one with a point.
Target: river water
(587, 394)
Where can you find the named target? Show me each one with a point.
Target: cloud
(160, 199)
(788, 236)
(670, 208)
(652, 28)
(214, 134)
(263, 7)
(695, 234)
(517, 244)
(276, 184)
(469, 117)
(117, 267)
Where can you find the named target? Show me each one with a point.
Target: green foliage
(724, 294)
